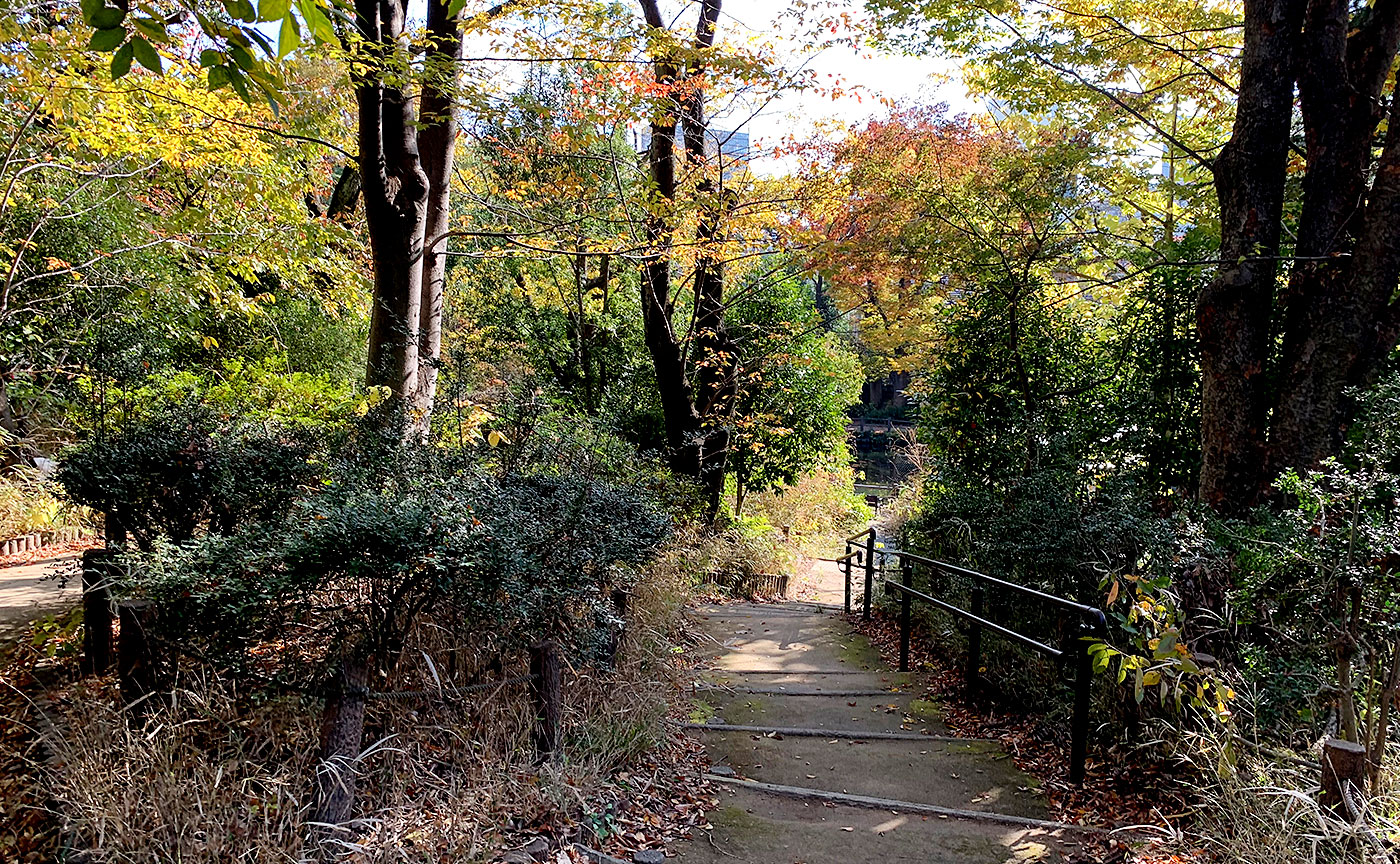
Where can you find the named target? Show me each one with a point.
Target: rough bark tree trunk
(1233, 315)
(694, 382)
(342, 731)
(1337, 321)
(395, 189)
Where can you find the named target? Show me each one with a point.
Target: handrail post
(973, 674)
(1079, 734)
(869, 572)
(906, 578)
(846, 567)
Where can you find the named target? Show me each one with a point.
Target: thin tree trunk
(667, 354)
(437, 144)
(688, 407)
(1389, 692)
(342, 733)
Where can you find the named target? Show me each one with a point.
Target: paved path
(848, 726)
(29, 591)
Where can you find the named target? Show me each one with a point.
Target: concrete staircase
(822, 754)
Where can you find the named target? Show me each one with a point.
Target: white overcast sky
(908, 80)
(873, 74)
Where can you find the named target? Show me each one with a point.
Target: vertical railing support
(97, 611)
(1079, 733)
(906, 578)
(547, 695)
(973, 674)
(846, 567)
(869, 573)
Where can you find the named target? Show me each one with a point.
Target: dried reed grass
(1257, 809)
(217, 773)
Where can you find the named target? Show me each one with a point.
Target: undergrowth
(218, 771)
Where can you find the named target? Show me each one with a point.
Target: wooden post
(136, 661)
(620, 599)
(1343, 766)
(97, 612)
(547, 695)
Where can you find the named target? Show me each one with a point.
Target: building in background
(729, 147)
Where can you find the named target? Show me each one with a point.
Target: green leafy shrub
(397, 533)
(184, 468)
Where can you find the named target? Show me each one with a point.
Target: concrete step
(880, 711)
(758, 828)
(963, 775)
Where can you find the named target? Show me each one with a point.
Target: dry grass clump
(218, 773)
(1262, 809)
(28, 503)
(815, 512)
(208, 776)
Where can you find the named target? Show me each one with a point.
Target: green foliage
(1315, 597)
(1151, 650)
(797, 380)
(347, 552)
(182, 467)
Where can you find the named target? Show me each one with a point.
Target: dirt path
(802, 721)
(29, 591)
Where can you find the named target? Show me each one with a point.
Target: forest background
(282, 278)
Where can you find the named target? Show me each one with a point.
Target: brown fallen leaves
(659, 800)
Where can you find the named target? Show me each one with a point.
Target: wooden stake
(136, 661)
(546, 692)
(97, 612)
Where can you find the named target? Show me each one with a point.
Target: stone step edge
(776, 691)
(902, 806)
(858, 734)
(800, 671)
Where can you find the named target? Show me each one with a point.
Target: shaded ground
(797, 667)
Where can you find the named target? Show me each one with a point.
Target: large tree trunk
(1335, 310)
(1337, 321)
(1233, 317)
(396, 196)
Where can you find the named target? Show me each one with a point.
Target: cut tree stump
(1343, 765)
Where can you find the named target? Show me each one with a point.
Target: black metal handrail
(979, 621)
(1092, 623)
(864, 555)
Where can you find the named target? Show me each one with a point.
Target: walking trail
(794, 706)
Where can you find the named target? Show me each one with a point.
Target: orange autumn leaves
(867, 230)
(904, 212)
